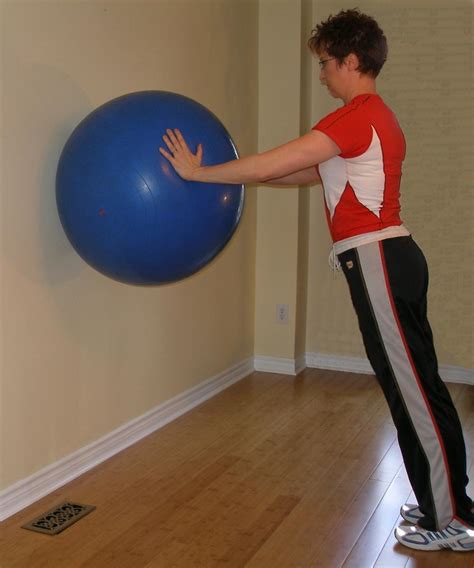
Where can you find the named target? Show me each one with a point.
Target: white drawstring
(333, 261)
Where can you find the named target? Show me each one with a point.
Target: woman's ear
(352, 62)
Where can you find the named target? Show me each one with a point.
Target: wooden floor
(274, 472)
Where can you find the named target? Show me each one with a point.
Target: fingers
(181, 140)
(172, 137)
(174, 140)
(168, 156)
(168, 143)
(178, 148)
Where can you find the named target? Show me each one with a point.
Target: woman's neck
(363, 86)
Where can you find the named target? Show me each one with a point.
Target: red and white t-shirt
(362, 184)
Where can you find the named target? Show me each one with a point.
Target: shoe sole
(430, 544)
(433, 547)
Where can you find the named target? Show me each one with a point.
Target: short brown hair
(351, 31)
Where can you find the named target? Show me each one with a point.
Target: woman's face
(333, 75)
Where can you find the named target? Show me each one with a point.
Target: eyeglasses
(323, 61)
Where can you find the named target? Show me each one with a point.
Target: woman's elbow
(262, 175)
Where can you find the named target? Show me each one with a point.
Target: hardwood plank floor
(274, 472)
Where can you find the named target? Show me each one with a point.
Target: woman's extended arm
(303, 177)
(295, 156)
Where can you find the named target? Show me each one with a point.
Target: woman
(357, 153)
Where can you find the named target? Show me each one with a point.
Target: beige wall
(427, 85)
(428, 82)
(83, 354)
(277, 217)
(306, 92)
(282, 219)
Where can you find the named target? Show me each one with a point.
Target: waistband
(366, 238)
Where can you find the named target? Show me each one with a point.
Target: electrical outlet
(282, 315)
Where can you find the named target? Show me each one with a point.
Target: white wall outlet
(282, 313)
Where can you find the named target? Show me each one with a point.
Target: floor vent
(60, 518)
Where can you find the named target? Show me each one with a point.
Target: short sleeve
(348, 129)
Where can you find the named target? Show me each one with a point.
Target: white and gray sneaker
(456, 536)
(411, 513)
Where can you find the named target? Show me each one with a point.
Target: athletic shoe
(411, 513)
(456, 536)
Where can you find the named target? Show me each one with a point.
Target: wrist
(197, 174)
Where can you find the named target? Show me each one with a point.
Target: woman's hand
(180, 156)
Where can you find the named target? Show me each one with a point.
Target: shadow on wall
(42, 123)
(41, 118)
(88, 305)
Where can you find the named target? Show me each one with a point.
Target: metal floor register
(59, 518)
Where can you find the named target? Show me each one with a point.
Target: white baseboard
(300, 363)
(449, 373)
(29, 490)
(453, 374)
(338, 363)
(314, 360)
(280, 365)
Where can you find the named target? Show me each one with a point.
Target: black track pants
(388, 281)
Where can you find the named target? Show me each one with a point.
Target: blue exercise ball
(123, 207)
